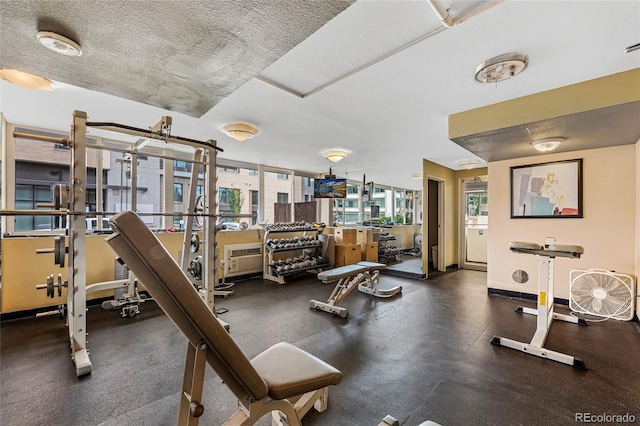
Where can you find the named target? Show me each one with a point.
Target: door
(474, 223)
(433, 225)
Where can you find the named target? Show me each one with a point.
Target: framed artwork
(547, 190)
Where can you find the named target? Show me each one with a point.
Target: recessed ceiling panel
(364, 32)
(600, 128)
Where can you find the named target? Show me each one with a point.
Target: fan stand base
(546, 256)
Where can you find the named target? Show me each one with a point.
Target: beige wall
(451, 180)
(607, 232)
(435, 171)
(22, 268)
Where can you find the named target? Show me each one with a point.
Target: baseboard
(524, 296)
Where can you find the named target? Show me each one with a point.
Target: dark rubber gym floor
(424, 355)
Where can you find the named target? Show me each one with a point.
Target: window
(477, 204)
(282, 175)
(181, 166)
(199, 190)
(177, 192)
(61, 146)
(253, 172)
(254, 207)
(351, 204)
(224, 195)
(283, 197)
(352, 189)
(228, 169)
(308, 197)
(306, 181)
(351, 217)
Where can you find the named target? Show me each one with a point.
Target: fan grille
(602, 293)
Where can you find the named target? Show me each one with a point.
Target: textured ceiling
(183, 56)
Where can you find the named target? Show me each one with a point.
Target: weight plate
(50, 286)
(199, 211)
(59, 251)
(195, 268)
(194, 245)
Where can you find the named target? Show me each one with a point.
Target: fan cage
(602, 293)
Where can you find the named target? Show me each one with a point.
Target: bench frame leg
(369, 286)
(343, 287)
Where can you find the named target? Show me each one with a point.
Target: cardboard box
(365, 235)
(369, 252)
(346, 236)
(348, 254)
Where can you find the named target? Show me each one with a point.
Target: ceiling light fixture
(59, 43)
(26, 80)
(335, 156)
(547, 144)
(501, 67)
(468, 164)
(240, 131)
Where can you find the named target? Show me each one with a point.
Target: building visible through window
(177, 192)
(283, 197)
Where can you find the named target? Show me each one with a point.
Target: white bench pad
(341, 272)
(373, 266)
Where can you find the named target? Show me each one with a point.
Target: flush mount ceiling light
(240, 131)
(26, 80)
(468, 164)
(59, 43)
(547, 144)
(335, 156)
(501, 67)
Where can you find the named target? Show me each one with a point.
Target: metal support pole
(8, 199)
(133, 169)
(292, 208)
(188, 225)
(167, 200)
(210, 277)
(99, 183)
(261, 195)
(77, 275)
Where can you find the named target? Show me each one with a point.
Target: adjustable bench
(364, 275)
(282, 379)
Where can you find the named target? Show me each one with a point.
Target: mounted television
(329, 188)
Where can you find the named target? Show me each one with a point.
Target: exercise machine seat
(290, 371)
(281, 371)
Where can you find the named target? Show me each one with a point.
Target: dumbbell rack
(294, 241)
(386, 253)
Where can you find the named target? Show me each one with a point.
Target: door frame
(441, 224)
(462, 244)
